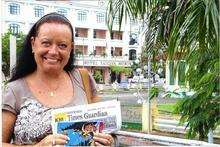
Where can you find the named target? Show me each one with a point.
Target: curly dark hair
(26, 63)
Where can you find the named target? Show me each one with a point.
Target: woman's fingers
(61, 136)
(59, 139)
(52, 140)
(103, 135)
(103, 139)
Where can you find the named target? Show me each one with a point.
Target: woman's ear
(32, 44)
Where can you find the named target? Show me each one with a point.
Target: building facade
(95, 47)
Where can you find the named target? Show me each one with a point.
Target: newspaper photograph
(80, 123)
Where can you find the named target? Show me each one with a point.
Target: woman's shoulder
(11, 95)
(17, 84)
(16, 87)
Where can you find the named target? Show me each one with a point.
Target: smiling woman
(52, 47)
(43, 79)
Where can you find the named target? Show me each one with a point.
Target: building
(95, 47)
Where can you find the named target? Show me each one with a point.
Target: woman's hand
(102, 139)
(53, 140)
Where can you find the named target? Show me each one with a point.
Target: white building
(95, 47)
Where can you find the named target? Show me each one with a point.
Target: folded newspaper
(80, 123)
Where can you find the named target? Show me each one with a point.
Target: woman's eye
(46, 44)
(62, 46)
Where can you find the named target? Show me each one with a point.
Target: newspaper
(80, 123)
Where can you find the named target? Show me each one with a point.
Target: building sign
(81, 62)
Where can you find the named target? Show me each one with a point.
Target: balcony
(81, 32)
(100, 50)
(116, 51)
(99, 34)
(116, 35)
(81, 50)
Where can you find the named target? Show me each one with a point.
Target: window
(38, 11)
(94, 34)
(133, 39)
(132, 54)
(62, 12)
(101, 34)
(14, 8)
(116, 20)
(116, 35)
(81, 32)
(100, 17)
(15, 28)
(81, 16)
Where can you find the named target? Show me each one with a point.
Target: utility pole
(146, 106)
(12, 53)
(148, 97)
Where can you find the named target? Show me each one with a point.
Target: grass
(166, 108)
(131, 126)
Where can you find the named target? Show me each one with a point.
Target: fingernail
(68, 138)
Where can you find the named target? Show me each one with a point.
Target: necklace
(49, 90)
(52, 93)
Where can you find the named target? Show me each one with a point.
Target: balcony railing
(81, 41)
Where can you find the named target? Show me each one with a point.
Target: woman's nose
(53, 49)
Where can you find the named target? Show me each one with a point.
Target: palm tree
(187, 30)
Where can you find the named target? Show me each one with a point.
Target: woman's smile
(51, 60)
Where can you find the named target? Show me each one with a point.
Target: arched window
(100, 17)
(132, 54)
(15, 28)
(81, 16)
(14, 8)
(38, 11)
(62, 12)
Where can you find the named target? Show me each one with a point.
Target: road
(130, 98)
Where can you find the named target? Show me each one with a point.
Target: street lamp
(138, 95)
(146, 110)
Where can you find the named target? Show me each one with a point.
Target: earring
(32, 52)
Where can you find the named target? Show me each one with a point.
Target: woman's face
(52, 47)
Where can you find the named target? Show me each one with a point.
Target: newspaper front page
(80, 123)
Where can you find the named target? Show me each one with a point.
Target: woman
(44, 79)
